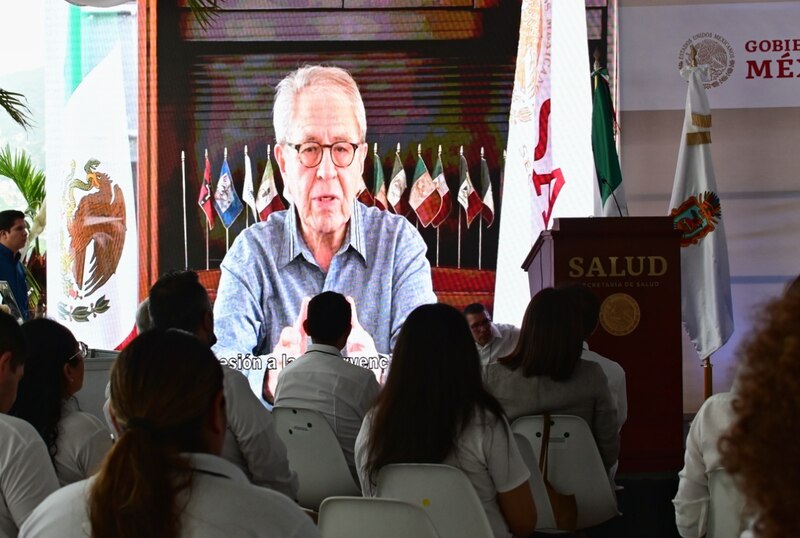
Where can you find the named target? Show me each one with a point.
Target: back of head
(475, 308)
(163, 386)
(314, 77)
(41, 390)
(8, 218)
(589, 306)
(12, 339)
(760, 448)
(178, 301)
(143, 321)
(551, 337)
(328, 317)
(433, 390)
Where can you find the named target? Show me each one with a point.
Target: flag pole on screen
(227, 232)
(437, 228)
(207, 227)
(458, 264)
(185, 232)
(480, 232)
(419, 156)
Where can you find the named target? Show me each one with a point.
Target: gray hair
(314, 76)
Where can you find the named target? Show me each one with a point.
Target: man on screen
(325, 241)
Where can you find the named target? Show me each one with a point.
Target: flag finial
(183, 156)
(398, 148)
(481, 152)
(226, 153)
(419, 149)
(692, 56)
(375, 148)
(461, 151)
(596, 56)
(245, 150)
(269, 147)
(440, 150)
(206, 153)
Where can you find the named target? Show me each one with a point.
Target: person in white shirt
(322, 380)
(77, 441)
(493, 340)
(590, 310)
(163, 476)
(178, 301)
(26, 474)
(434, 409)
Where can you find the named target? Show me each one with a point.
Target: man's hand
(292, 344)
(360, 342)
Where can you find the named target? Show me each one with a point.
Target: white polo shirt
(83, 442)
(341, 392)
(221, 504)
(26, 473)
(616, 381)
(504, 340)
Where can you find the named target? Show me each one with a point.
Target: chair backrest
(726, 509)
(347, 517)
(445, 493)
(314, 454)
(574, 465)
(544, 511)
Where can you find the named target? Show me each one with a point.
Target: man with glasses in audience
(492, 340)
(325, 241)
(13, 236)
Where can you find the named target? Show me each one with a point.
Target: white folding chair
(314, 454)
(545, 520)
(349, 517)
(726, 508)
(445, 493)
(574, 465)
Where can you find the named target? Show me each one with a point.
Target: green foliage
(205, 11)
(19, 168)
(14, 104)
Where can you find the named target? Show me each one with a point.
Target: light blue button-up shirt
(269, 270)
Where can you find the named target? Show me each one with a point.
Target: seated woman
(163, 477)
(77, 441)
(434, 409)
(545, 373)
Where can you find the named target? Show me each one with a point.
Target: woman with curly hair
(760, 449)
(77, 441)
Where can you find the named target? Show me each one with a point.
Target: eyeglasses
(310, 153)
(82, 353)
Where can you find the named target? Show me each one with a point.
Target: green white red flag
(424, 198)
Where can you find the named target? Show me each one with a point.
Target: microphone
(611, 189)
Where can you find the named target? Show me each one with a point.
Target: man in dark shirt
(13, 236)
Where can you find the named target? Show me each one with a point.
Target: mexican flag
(424, 198)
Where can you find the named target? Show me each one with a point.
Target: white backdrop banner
(753, 51)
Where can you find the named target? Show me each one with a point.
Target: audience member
(143, 321)
(13, 236)
(163, 477)
(492, 339)
(760, 448)
(179, 301)
(26, 474)
(434, 409)
(544, 373)
(590, 310)
(77, 441)
(322, 380)
(701, 459)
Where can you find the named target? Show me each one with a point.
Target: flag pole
(480, 228)
(416, 217)
(185, 232)
(246, 207)
(458, 259)
(437, 228)
(227, 236)
(207, 228)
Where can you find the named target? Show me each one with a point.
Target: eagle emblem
(697, 217)
(95, 222)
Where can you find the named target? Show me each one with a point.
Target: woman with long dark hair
(545, 373)
(434, 409)
(77, 441)
(163, 477)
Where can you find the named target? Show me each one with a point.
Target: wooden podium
(633, 266)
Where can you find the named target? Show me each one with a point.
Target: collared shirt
(11, 271)
(83, 442)
(616, 381)
(324, 381)
(221, 503)
(269, 270)
(26, 473)
(504, 340)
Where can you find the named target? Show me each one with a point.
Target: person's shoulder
(63, 513)
(17, 431)
(82, 423)
(585, 370)
(385, 221)
(260, 234)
